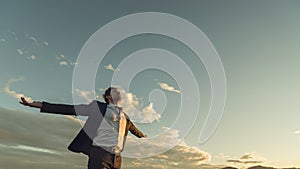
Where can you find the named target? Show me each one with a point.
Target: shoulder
(99, 103)
(126, 116)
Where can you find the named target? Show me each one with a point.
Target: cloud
(28, 148)
(13, 93)
(20, 51)
(297, 132)
(162, 154)
(64, 60)
(34, 140)
(248, 158)
(33, 38)
(110, 67)
(2, 40)
(243, 162)
(134, 108)
(39, 140)
(165, 86)
(45, 43)
(86, 95)
(32, 57)
(63, 63)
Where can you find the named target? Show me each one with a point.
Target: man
(103, 135)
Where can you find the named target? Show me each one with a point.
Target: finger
(23, 103)
(24, 100)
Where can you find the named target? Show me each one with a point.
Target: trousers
(102, 159)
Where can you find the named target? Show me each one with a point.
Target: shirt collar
(111, 105)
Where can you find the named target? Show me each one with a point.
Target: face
(116, 96)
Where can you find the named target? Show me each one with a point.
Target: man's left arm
(135, 131)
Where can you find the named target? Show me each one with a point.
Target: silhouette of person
(104, 133)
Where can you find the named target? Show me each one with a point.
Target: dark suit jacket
(95, 112)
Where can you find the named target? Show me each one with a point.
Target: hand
(33, 104)
(145, 136)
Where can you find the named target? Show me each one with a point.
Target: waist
(109, 149)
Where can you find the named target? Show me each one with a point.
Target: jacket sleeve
(134, 130)
(77, 110)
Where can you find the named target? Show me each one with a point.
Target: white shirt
(108, 131)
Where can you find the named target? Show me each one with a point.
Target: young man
(103, 135)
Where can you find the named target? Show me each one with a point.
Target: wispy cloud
(75, 119)
(28, 148)
(246, 156)
(44, 133)
(86, 95)
(65, 61)
(167, 87)
(247, 159)
(13, 93)
(20, 51)
(45, 43)
(110, 67)
(30, 135)
(33, 38)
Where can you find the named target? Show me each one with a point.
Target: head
(112, 95)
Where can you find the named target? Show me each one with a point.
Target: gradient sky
(257, 41)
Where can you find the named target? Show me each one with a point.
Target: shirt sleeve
(65, 109)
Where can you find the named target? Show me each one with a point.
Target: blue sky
(257, 41)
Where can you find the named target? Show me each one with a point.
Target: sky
(257, 42)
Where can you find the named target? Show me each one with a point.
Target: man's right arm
(82, 109)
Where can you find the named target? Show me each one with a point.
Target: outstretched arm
(64, 109)
(135, 131)
(33, 104)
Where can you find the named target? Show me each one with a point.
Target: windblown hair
(107, 93)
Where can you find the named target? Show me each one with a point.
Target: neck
(111, 102)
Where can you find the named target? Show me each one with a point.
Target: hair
(107, 93)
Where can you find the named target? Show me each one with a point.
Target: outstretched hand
(33, 104)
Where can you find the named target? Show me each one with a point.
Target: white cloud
(46, 43)
(2, 40)
(135, 110)
(167, 87)
(75, 119)
(85, 94)
(33, 38)
(13, 93)
(297, 132)
(63, 63)
(65, 60)
(110, 67)
(20, 51)
(28, 148)
(32, 57)
(73, 63)
(160, 153)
